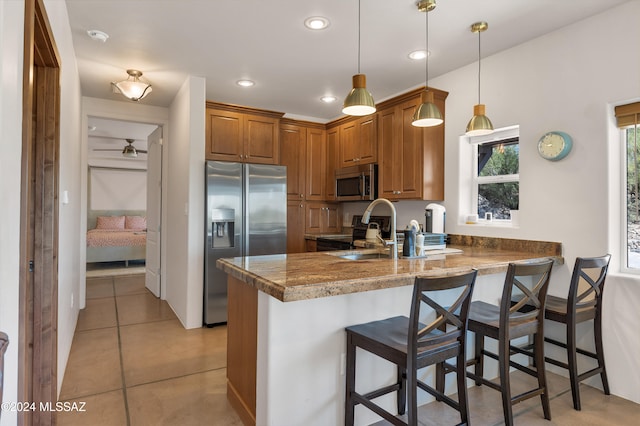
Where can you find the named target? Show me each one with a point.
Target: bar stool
(584, 303)
(412, 345)
(504, 323)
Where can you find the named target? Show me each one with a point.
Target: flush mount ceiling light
(316, 23)
(418, 55)
(427, 114)
(98, 35)
(245, 83)
(479, 123)
(132, 88)
(359, 101)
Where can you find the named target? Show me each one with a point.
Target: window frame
(505, 134)
(624, 228)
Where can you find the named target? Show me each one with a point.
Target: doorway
(125, 186)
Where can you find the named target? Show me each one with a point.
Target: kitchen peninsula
(287, 314)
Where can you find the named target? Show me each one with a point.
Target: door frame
(123, 111)
(38, 276)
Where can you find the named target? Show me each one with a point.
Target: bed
(116, 235)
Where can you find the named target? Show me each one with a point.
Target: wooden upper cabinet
(411, 164)
(242, 134)
(358, 141)
(333, 162)
(293, 154)
(316, 164)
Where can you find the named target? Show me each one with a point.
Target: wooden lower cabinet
(323, 218)
(295, 227)
(242, 348)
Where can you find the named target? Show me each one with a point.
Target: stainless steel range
(328, 243)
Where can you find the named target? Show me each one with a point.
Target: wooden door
(313, 222)
(38, 293)
(347, 144)
(293, 154)
(332, 220)
(224, 135)
(410, 153)
(316, 164)
(261, 140)
(154, 210)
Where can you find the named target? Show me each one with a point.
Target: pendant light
(132, 88)
(428, 114)
(359, 101)
(479, 123)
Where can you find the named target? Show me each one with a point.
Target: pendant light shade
(479, 123)
(359, 101)
(132, 88)
(428, 114)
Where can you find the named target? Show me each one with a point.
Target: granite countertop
(302, 276)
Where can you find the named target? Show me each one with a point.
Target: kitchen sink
(364, 256)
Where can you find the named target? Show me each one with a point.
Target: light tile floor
(134, 364)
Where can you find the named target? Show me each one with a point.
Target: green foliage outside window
(499, 197)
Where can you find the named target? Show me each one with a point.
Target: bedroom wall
(111, 189)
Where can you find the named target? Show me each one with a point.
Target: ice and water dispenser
(222, 228)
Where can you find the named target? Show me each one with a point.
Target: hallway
(133, 363)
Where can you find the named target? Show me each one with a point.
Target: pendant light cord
(358, 36)
(479, 66)
(426, 84)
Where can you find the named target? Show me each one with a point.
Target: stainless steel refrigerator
(246, 213)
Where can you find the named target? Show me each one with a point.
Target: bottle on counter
(409, 245)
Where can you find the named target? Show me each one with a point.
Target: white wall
(11, 54)
(565, 80)
(69, 235)
(186, 209)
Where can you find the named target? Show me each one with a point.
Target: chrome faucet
(393, 254)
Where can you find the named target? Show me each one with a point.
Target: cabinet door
(410, 153)
(347, 144)
(333, 223)
(261, 140)
(316, 164)
(293, 154)
(389, 167)
(333, 161)
(295, 227)
(366, 142)
(224, 134)
(313, 218)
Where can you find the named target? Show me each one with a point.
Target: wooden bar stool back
(411, 345)
(506, 322)
(583, 303)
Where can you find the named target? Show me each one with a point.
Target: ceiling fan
(128, 151)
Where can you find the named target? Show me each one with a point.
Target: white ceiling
(106, 134)
(266, 41)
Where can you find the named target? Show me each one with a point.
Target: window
(496, 188)
(628, 120)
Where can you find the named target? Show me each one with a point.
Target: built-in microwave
(357, 183)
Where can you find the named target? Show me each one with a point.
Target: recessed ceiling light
(316, 23)
(328, 99)
(98, 35)
(245, 83)
(417, 55)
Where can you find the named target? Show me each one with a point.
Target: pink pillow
(135, 222)
(110, 222)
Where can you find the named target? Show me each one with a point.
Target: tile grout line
(122, 375)
(195, 373)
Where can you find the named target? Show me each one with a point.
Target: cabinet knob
(301, 196)
(301, 206)
(240, 156)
